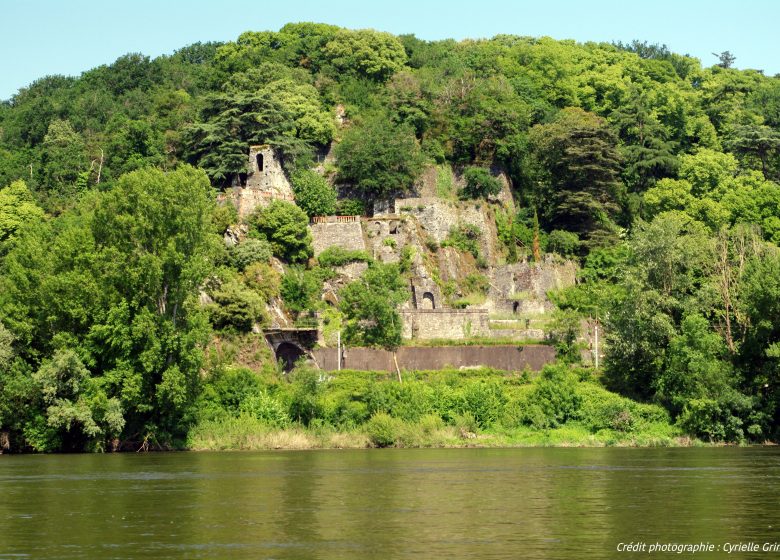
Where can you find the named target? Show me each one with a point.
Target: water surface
(386, 504)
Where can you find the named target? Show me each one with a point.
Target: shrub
(350, 207)
(265, 408)
(338, 256)
(554, 399)
(224, 216)
(464, 237)
(562, 242)
(300, 289)
(285, 226)
(250, 251)
(479, 183)
(313, 193)
(304, 405)
(484, 401)
(263, 279)
(383, 430)
(235, 306)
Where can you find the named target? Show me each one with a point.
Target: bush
(350, 207)
(379, 157)
(263, 279)
(479, 183)
(305, 390)
(313, 193)
(300, 289)
(464, 237)
(338, 256)
(554, 399)
(484, 401)
(250, 251)
(263, 407)
(285, 227)
(562, 242)
(235, 306)
(224, 216)
(383, 430)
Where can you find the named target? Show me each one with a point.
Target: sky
(44, 37)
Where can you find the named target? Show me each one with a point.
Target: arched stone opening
(259, 162)
(427, 301)
(515, 306)
(288, 353)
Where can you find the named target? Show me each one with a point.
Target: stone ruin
(265, 181)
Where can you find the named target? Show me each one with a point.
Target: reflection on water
(462, 503)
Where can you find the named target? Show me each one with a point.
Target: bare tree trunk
(397, 369)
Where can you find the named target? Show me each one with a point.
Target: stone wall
(526, 284)
(438, 217)
(509, 358)
(265, 181)
(454, 324)
(337, 231)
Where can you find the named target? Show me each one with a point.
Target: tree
(480, 183)
(286, 228)
(725, 59)
(578, 167)
(283, 113)
(313, 193)
(379, 157)
(369, 306)
(17, 208)
(112, 285)
(365, 52)
(647, 152)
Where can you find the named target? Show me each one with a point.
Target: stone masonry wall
(456, 324)
(344, 234)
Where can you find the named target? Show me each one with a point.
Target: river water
(387, 504)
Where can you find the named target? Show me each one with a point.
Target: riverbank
(243, 434)
(448, 408)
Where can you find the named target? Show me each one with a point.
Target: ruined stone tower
(265, 181)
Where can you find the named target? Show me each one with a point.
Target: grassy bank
(448, 408)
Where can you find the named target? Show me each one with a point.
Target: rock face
(265, 181)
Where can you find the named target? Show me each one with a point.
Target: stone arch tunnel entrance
(289, 353)
(290, 345)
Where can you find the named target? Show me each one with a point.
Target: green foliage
(379, 158)
(579, 167)
(365, 52)
(300, 289)
(338, 256)
(235, 306)
(480, 183)
(17, 208)
(564, 243)
(250, 251)
(350, 207)
(554, 399)
(464, 237)
(383, 430)
(103, 299)
(369, 306)
(313, 193)
(285, 227)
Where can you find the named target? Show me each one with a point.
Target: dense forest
(660, 176)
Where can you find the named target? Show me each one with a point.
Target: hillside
(154, 213)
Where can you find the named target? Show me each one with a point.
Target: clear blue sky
(41, 37)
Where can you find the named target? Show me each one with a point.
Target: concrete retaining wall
(510, 358)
